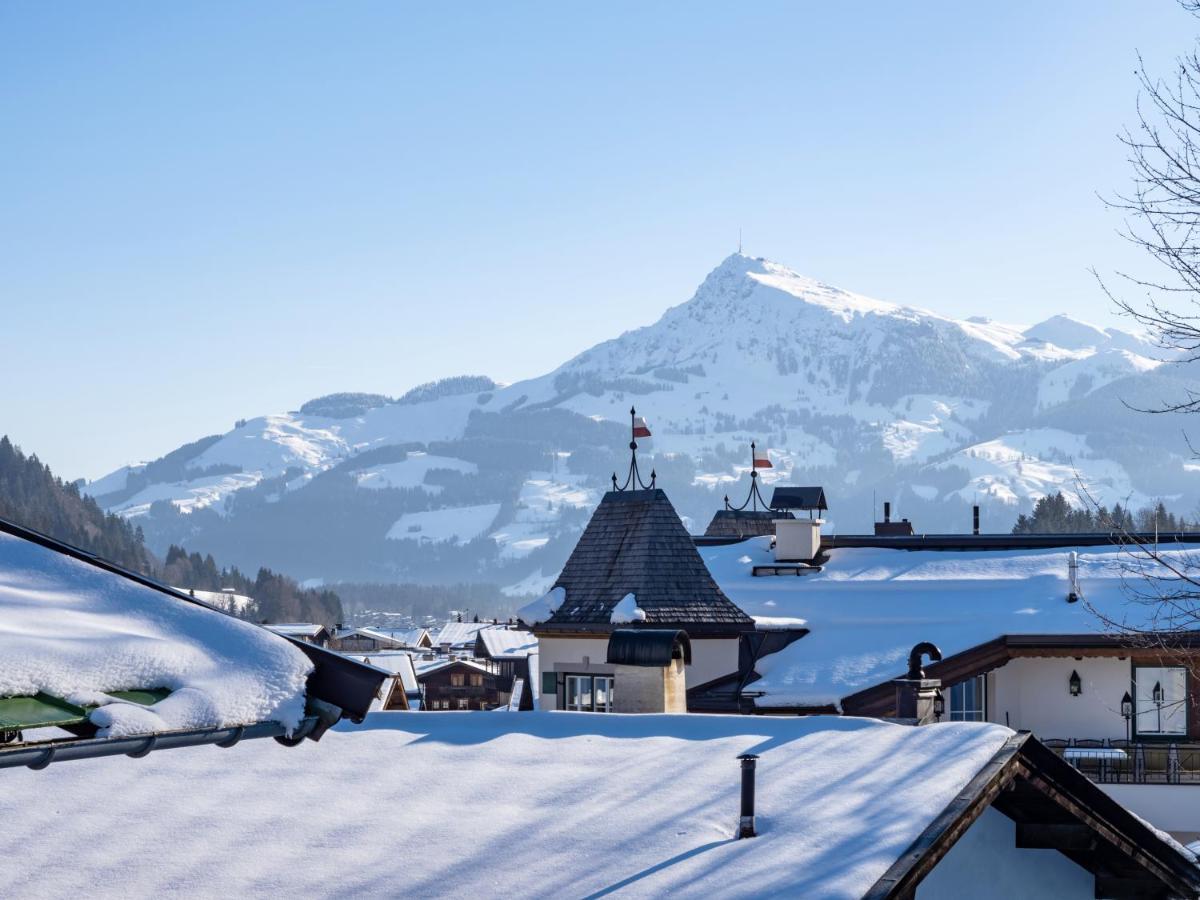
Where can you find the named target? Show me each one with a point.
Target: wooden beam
(1113, 887)
(1120, 842)
(1042, 836)
(902, 877)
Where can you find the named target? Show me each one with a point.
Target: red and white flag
(761, 460)
(640, 428)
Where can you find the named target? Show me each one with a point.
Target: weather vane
(757, 461)
(633, 481)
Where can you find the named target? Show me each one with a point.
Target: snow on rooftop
(544, 607)
(399, 663)
(460, 633)
(296, 629)
(76, 631)
(627, 611)
(869, 606)
(553, 804)
(508, 642)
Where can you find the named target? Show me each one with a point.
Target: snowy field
(460, 524)
(494, 805)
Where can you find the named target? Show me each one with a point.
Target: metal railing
(1131, 762)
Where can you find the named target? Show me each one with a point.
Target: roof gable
(799, 498)
(636, 544)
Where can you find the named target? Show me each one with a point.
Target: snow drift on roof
(543, 607)
(77, 631)
(869, 606)
(508, 642)
(838, 801)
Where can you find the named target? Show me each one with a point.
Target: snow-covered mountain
(465, 480)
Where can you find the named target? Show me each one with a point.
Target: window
(589, 693)
(476, 681)
(1160, 700)
(457, 679)
(967, 700)
(464, 703)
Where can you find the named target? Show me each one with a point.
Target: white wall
(1170, 807)
(711, 658)
(985, 864)
(1033, 692)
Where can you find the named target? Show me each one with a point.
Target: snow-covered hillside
(465, 481)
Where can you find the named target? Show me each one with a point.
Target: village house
(355, 640)
(1024, 626)
(636, 567)
(457, 684)
(309, 632)
(512, 654)
(459, 637)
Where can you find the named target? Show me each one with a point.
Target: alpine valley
(464, 480)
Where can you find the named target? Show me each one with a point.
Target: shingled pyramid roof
(743, 523)
(636, 544)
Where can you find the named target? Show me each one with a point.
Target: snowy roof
(428, 667)
(296, 629)
(831, 818)
(635, 543)
(458, 634)
(399, 664)
(406, 638)
(867, 607)
(508, 642)
(77, 631)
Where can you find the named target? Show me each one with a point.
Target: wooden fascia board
(880, 700)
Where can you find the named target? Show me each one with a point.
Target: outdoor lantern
(1127, 706)
(939, 706)
(1157, 693)
(1075, 685)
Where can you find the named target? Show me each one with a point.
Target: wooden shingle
(636, 544)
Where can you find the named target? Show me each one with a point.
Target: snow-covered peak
(740, 277)
(1068, 333)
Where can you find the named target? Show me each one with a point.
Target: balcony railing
(1131, 762)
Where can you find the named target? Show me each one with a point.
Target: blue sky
(218, 210)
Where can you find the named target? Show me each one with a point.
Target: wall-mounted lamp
(1127, 712)
(939, 706)
(1074, 684)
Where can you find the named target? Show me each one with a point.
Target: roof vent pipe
(975, 519)
(1075, 593)
(887, 511)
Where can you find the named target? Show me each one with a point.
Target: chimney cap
(925, 648)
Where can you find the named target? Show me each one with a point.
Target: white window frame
(585, 684)
(1149, 719)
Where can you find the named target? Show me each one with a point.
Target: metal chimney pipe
(975, 520)
(746, 824)
(887, 511)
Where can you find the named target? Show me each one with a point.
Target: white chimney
(797, 540)
(1074, 594)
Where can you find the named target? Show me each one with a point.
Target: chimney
(1074, 594)
(919, 698)
(975, 519)
(888, 528)
(797, 540)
